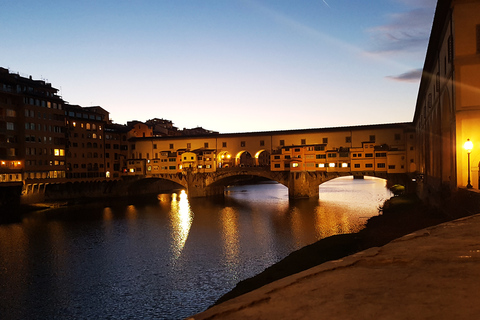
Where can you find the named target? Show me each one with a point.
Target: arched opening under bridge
(362, 195)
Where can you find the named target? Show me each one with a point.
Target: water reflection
(107, 214)
(131, 212)
(181, 217)
(229, 220)
(118, 260)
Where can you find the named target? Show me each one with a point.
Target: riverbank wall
(15, 201)
(81, 191)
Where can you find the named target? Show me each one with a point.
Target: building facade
(448, 105)
(32, 144)
(85, 142)
(368, 149)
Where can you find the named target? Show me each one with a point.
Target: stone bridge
(302, 184)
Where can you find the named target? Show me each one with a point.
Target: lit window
(295, 164)
(57, 152)
(321, 165)
(344, 165)
(331, 164)
(132, 170)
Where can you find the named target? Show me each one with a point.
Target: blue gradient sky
(229, 66)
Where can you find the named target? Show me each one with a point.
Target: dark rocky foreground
(400, 216)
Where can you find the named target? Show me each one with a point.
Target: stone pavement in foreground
(433, 273)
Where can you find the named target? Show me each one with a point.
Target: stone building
(85, 141)
(32, 137)
(448, 105)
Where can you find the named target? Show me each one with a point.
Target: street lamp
(468, 146)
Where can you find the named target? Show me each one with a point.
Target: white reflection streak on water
(181, 220)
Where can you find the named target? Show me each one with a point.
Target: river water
(165, 258)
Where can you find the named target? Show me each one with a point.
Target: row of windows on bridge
(348, 139)
(337, 165)
(340, 154)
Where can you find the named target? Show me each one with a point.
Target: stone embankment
(432, 273)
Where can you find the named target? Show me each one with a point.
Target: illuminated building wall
(85, 142)
(448, 105)
(32, 134)
(328, 149)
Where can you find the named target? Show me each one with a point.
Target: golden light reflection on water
(328, 223)
(181, 217)
(231, 247)
(296, 224)
(131, 212)
(164, 200)
(107, 214)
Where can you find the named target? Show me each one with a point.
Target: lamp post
(468, 146)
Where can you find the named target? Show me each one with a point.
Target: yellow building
(329, 150)
(448, 105)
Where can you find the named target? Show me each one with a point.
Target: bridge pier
(302, 185)
(197, 186)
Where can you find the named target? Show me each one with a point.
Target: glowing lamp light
(468, 146)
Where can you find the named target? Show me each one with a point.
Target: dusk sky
(226, 65)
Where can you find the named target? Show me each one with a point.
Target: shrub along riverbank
(399, 216)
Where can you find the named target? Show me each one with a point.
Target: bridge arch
(225, 159)
(262, 158)
(158, 184)
(244, 159)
